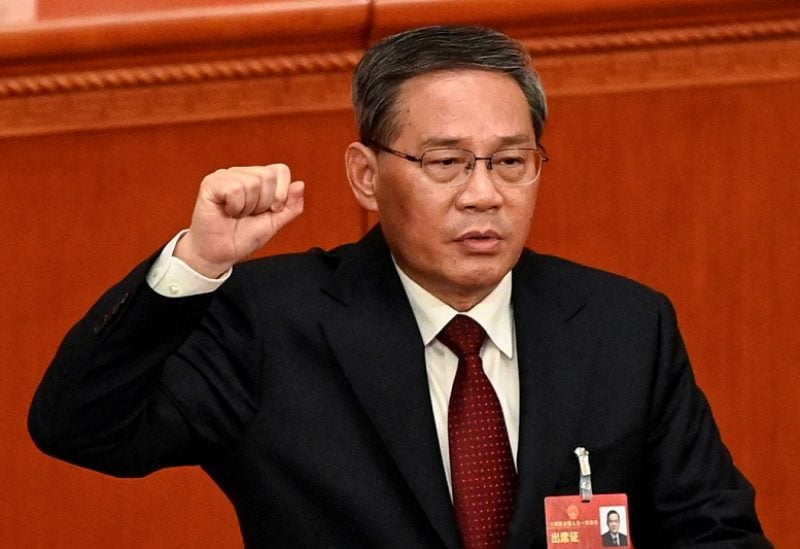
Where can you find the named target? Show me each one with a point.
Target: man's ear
(362, 166)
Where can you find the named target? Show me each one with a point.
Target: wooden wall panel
(56, 9)
(673, 139)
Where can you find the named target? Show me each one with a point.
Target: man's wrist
(183, 251)
(170, 276)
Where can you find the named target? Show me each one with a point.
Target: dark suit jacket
(300, 388)
(609, 541)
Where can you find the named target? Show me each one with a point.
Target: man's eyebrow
(441, 142)
(516, 139)
(503, 141)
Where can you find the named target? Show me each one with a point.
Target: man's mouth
(480, 241)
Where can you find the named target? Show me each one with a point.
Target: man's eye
(510, 160)
(444, 162)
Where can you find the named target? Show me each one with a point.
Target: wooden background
(674, 140)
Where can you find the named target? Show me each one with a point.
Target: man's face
(613, 522)
(456, 242)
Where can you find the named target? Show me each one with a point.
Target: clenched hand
(238, 210)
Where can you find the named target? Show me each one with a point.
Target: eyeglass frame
(418, 159)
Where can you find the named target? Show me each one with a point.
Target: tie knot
(463, 336)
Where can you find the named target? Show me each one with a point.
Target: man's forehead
(433, 107)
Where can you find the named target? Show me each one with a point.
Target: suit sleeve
(144, 382)
(698, 494)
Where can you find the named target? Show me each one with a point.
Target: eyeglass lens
(508, 166)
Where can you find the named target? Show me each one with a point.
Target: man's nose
(479, 190)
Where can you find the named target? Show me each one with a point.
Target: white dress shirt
(494, 314)
(171, 277)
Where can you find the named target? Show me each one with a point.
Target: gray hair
(395, 59)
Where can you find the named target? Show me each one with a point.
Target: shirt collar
(493, 313)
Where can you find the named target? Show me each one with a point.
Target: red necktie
(482, 467)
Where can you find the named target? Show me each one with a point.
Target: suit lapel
(376, 341)
(555, 351)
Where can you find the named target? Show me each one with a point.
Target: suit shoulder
(593, 283)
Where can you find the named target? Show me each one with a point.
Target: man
(613, 536)
(326, 392)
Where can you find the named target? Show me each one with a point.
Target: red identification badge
(587, 520)
(601, 522)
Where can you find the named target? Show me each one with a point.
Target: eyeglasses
(516, 167)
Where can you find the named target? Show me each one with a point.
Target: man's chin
(478, 280)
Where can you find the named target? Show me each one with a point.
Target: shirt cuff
(172, 277)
